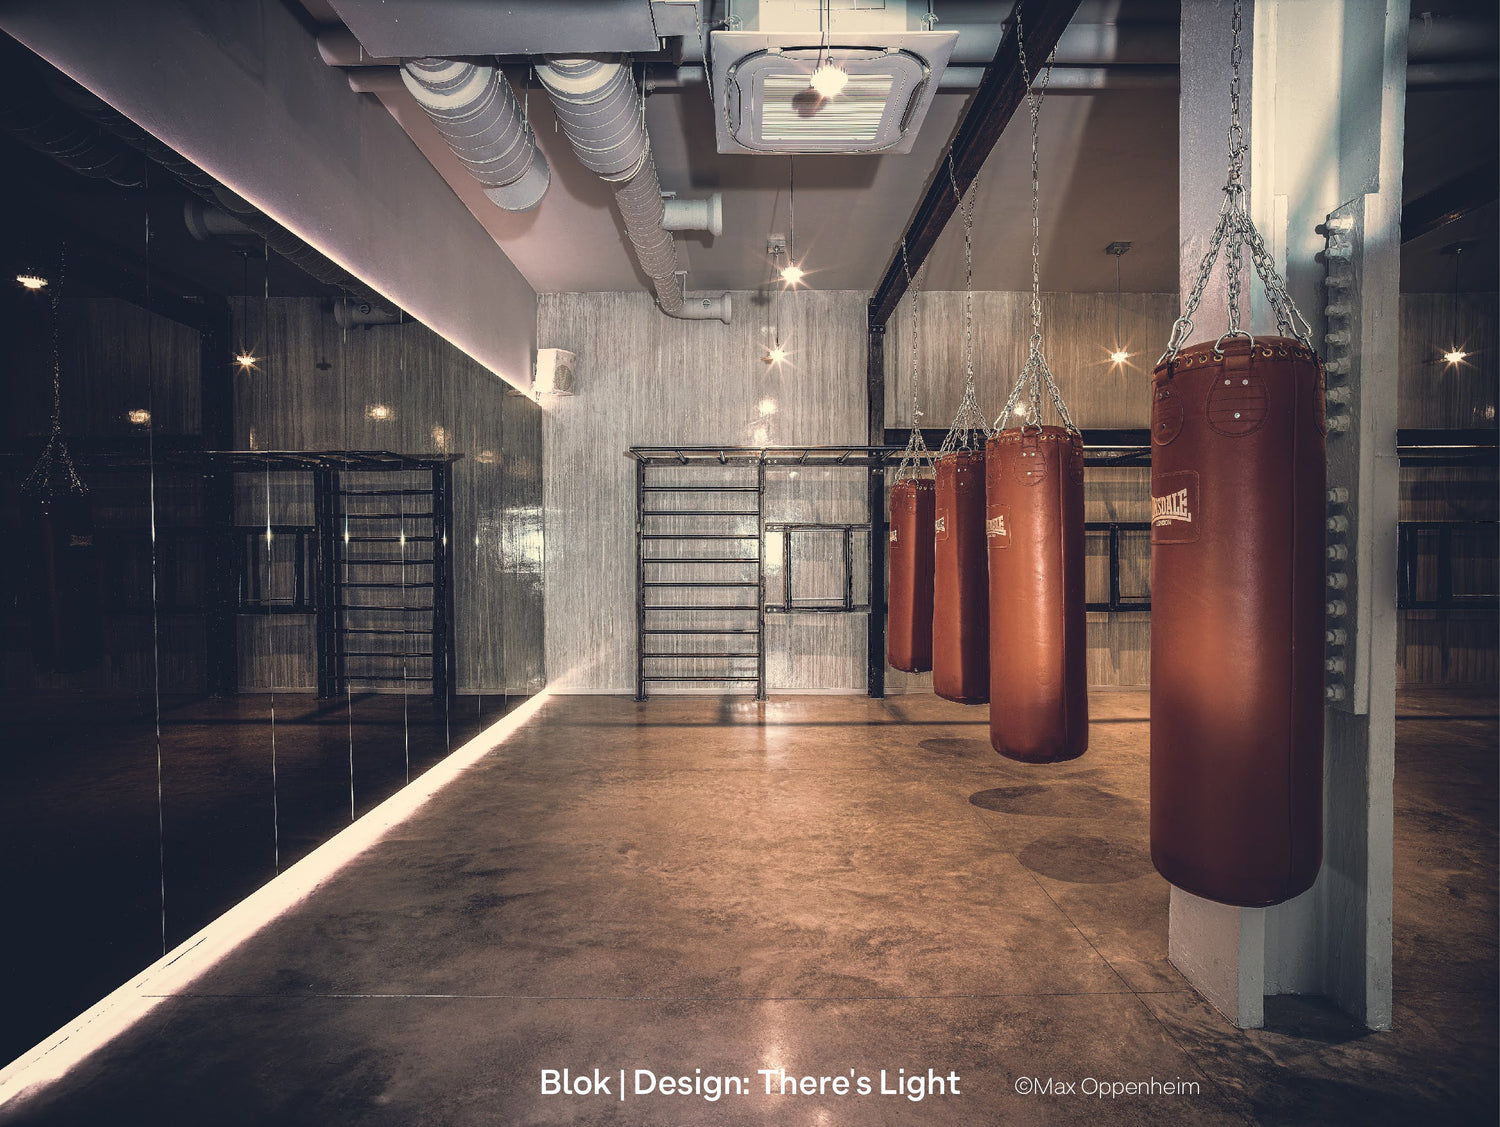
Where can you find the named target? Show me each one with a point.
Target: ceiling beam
(1000, 93)
(1453, 200)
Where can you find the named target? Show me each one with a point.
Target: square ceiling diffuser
(766, 103)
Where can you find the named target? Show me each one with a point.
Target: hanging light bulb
(791, 274)
(829, 80)
(776, 355)
(1119, 355)
(31, 281)
(1456, 354)
(246, 359)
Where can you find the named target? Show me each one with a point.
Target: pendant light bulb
(31, 281)
(791, 274)
(829, 80)
(246, 360)
(1455, 356)
(1119, 356)
(776, 355)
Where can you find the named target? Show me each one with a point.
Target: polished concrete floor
(830, 886)
(101, 869)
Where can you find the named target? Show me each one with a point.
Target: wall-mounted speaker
(554, 372)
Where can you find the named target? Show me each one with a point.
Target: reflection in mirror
(277, 551)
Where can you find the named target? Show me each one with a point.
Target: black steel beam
(1455, 199)
(875, 502)
(1000, 93)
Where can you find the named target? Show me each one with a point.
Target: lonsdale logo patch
(995, 526)
(1175, 513)
(893, 536)
(941, 525)
(1174, 506)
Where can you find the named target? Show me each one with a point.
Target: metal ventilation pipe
(600, 114)
(476, 111)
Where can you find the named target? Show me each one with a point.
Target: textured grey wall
(646, 379)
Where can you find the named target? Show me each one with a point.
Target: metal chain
(1235, 230)
(1035, 373)
(969, 429)
(916, 459)
(55, 465)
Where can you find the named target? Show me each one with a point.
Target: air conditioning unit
(554, 372)
(763, 77)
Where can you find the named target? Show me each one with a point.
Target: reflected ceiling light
(829, 80)
(245, 359)
(31, 281)
(1118, 355)
(379, 412)
(1456, 354)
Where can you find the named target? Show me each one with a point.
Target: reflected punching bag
(909, 643)
(63, 581)
(960, 585)
(1237, 601)
(1034, 530)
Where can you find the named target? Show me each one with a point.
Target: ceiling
(1108, 161)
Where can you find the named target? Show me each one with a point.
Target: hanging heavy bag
(1237, 587)
(960, 588)
(1038, 674)
(913, 505)
(1237, 599)
(960, 595)
(1034, 532)
(63, 581)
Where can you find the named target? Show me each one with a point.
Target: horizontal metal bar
(749, 653)
(385, 492)
(702, 583)
(367, 606)
(387, 516)
(387, 539)
(696, 513)
(393, 586)
(675, 606)
(705, 536)
(704, 680)
(701, 559)
(700, 489)
(370, 630)
(376, 653)
(700, 630)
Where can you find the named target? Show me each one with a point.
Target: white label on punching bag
(1174, 507)
(893, 536)
(997, 526)
(940, 527)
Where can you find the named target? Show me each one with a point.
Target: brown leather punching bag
(909, 641)
(960, 582)
(1039, 709)
(1237, 599)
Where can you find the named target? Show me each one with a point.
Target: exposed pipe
(601, 115)
(706, 214)
(477, 113)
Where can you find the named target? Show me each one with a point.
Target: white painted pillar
(1323, 97)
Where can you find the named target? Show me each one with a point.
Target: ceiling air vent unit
(767, 104)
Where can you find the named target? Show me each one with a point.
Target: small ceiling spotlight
(791, 274)
(139, 416)
(379, 412)
(775, 355)
(1455, 356)
(31, 281)
(829, 80)
(1119, 355)
(246, 359)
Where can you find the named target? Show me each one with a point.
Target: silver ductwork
(476, 111)
(601, 114)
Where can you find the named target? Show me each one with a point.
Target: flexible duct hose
(476, 112)
(600, 113)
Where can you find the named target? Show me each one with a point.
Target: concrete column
(1323, 100)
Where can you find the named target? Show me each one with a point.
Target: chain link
(54, 472)
(916, 459)
(1235, 231)
(969, 428)
(1035, 373)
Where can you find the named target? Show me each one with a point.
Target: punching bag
(909, 643)
(960, 581)
(1034, 530)
(63, 578)
(1237, 599)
